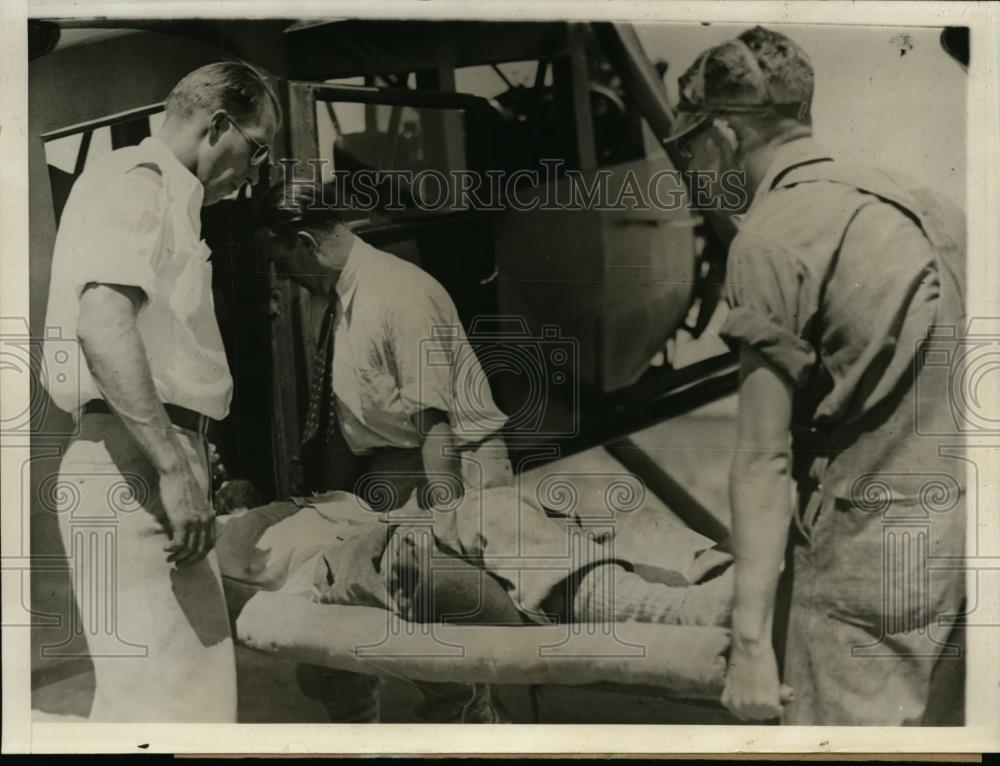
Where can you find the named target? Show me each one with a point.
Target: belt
(181, 417)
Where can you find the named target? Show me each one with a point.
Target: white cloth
(278, 547)
(399, 348)
(132, 219)
(158, 635)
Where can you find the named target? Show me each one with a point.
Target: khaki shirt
(868, 264)
(852, 282)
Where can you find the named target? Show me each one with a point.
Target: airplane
(608, 287)
(569, 310)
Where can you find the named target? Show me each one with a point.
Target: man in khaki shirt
(836, 279)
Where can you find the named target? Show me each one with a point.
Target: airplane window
(531, 117)
(493, 80)
(100, 144)
(526, 103)
(384, 137)
(62, 152)
(381, 81)
(347, 81)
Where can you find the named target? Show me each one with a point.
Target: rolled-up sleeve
(772, 299)
(113, 234)
(437, 367)
(425, 333)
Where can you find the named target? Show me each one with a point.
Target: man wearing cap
(131, 281)
(835, 278)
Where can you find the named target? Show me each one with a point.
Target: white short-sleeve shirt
(133, 218)
(399, 348)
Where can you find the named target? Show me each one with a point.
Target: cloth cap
(760, 71)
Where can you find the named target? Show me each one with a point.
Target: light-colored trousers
(158, 635)
(388, 481)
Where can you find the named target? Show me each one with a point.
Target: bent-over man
(131, 280)
(836, 279)
(411, 401)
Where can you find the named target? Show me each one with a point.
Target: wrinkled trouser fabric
(389, 480)
(158, 635)
(504, 551)
(870, 640)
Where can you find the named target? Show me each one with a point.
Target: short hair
(234, 86)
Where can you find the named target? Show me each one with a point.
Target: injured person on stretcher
(494, 556)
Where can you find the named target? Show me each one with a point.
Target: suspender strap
(781, 176)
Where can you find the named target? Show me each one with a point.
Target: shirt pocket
(192, 289)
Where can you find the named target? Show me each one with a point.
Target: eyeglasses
(684, 145)
(260, 151)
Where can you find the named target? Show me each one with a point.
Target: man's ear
(308, 241)
(217, 125)
(725, 131)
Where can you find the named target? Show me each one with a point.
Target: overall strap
(943, 226)
(941, 221)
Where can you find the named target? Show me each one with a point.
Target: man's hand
(191, 517)
(117, 359)
(442, 464)
(752, 691)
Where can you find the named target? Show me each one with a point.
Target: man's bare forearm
(440, 463)
(116, 356)
(759, 494)
(440, 459)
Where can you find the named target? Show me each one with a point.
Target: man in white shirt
(404, 405)
(407, 388)
(131, 282)
(408, 410)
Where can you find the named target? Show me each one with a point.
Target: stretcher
(673, 661)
